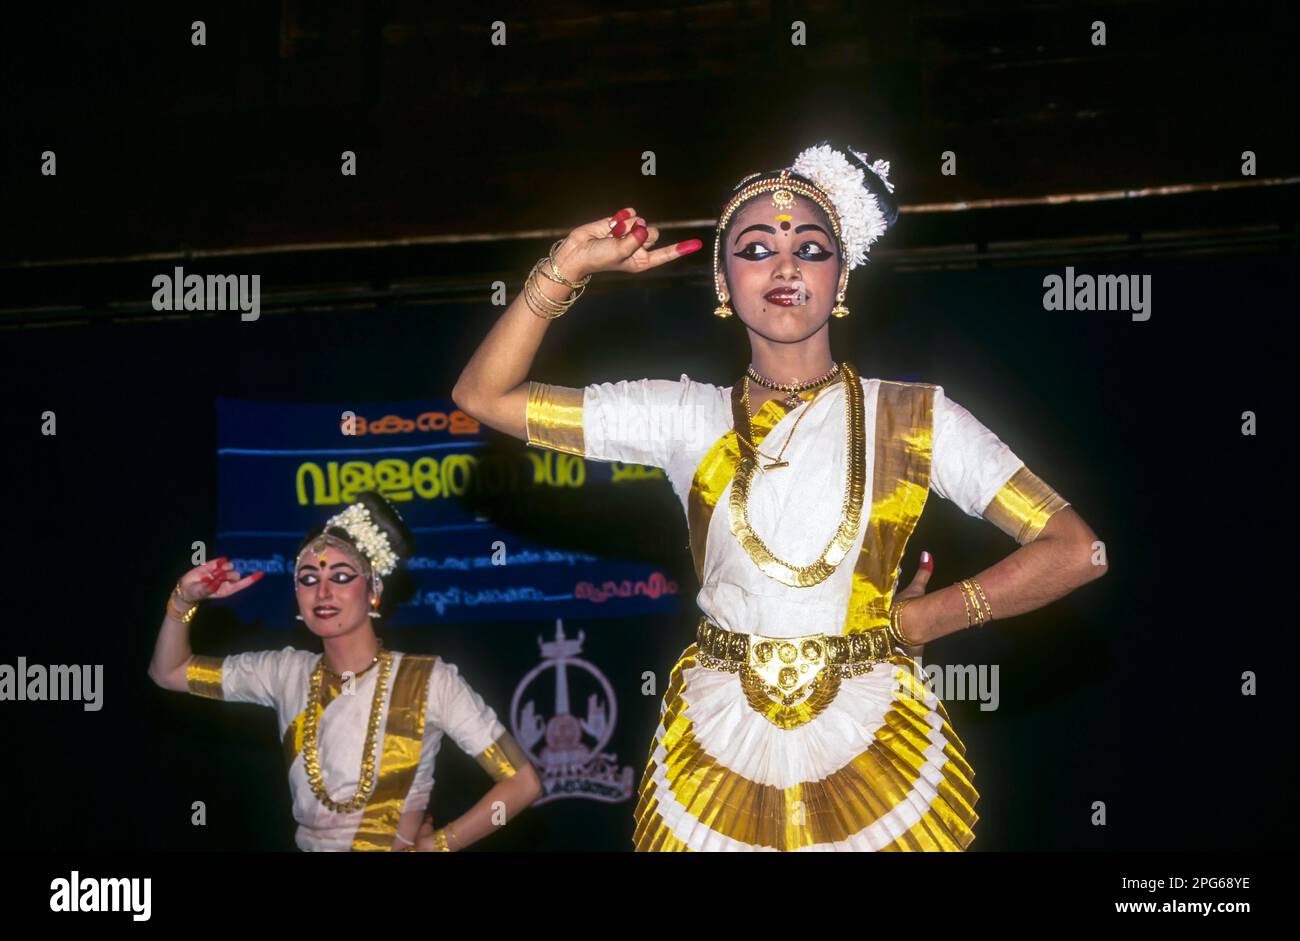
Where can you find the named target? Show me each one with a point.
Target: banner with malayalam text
(284, 468)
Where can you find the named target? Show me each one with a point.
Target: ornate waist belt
(790, 680)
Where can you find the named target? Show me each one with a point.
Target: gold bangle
(896, 623)
(454, 838)
(537, 299)
(555, 270)
(965, 600)
(440, 841)
(183, 616)
(988, 612)
(982, 614)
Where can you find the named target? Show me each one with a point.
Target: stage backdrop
(284, 468)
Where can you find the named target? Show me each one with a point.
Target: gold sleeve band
(204, 676)
(503, 758)
(1023, 506)
(554, 418)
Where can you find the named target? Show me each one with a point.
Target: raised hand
(620, 242)
(216, 579)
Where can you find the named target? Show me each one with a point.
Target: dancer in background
(796, 721)
(361, 725)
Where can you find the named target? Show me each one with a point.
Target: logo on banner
(566, 748)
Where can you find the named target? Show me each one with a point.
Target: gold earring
(839, 310)
(722, 310)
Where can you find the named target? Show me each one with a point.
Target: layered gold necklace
(310, 750)
(805, 576)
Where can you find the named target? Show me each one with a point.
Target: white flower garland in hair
(861, 221)
(370, 539)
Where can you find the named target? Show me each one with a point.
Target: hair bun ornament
(860, 191)
(377, 529)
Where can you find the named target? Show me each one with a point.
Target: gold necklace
(359, 673)
(792, 389)
(777, 463)
(805, 576)
(311, 755)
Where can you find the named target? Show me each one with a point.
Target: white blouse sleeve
(974, 469)
(243, 677)
(635, 421)
(455, 708)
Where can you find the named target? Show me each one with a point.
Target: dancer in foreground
(361, 725)
(797, 720)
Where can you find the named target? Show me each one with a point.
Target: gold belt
(791, 680)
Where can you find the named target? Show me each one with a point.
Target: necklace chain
(777, 463)
(850, 511)
(310, 750)
(359, 673)
(793, 388)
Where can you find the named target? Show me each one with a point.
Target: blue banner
(284, 468)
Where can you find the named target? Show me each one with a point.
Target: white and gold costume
(866, 760)
(424, 698)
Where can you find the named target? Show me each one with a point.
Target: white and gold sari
(866, 761)
(424, 698)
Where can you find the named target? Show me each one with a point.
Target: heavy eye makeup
(810, 250)
(309, 577)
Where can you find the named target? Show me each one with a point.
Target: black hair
(384, 515)
(884, 198)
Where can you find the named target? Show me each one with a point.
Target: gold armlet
(503, 758)
(1022, 507)
(553, 418)
(203, 674)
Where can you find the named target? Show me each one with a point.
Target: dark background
(472, 160)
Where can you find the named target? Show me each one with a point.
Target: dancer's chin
(328, 627)
(785, 324)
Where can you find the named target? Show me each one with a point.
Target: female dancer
(361, 725)
(796, 721)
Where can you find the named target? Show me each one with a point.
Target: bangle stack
(896, 624)
(183, 616)
(546, 307)
(972, 594)
(440, 840)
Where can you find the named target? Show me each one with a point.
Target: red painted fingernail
(256, 575)
(927, 560)
(622, 214)
(619, 229)
(640, 233)
(690, 245)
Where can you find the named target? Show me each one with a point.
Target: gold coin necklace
(805, 576)
(311, 754)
